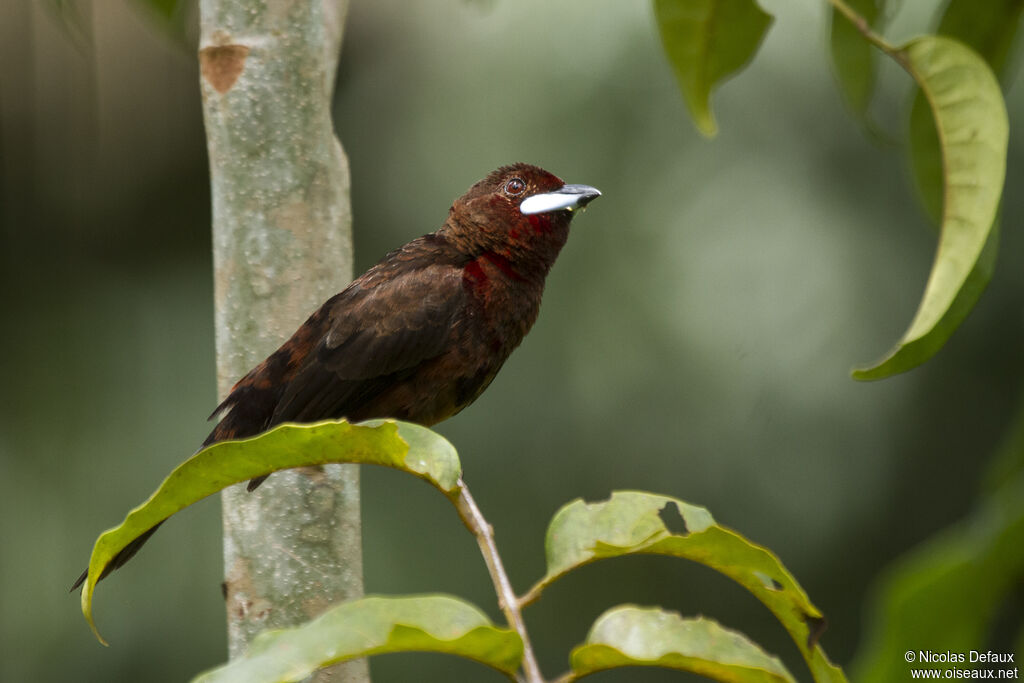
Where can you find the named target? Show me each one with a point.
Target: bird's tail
(234, 424)
(127, 553)
(229, 428)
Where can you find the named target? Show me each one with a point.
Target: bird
(421, 334)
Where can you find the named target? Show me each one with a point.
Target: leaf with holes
(372, 626)
(634, 522)
(400, 445)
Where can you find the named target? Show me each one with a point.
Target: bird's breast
(503, 303)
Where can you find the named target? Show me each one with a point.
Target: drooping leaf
(372, 626)
(917, 351)
(854, 58)
(707, 41)
(946, 592)
(973, 131)
(400, 445)
(991, 34)
(636, 636)
(633, 522)
(926, 157)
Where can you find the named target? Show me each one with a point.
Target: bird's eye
(515, 186)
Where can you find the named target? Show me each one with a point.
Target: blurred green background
(695, 339)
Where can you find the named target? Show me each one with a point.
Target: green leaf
(853, 57)
(973, 132)
(1007, 462)
(633, 522)
(707, 41)
(636, 636)
(945, 594)
(372, 626)
(926, 157)
(991, 34)
(401, 445)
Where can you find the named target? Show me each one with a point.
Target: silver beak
(569, 197)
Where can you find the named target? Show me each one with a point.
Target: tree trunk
(281, 245)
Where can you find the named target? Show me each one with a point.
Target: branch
(862, 25)
(507, 600)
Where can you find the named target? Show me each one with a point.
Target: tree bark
(282, 245)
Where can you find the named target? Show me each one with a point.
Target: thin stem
(531, 596)
(484, 533)
(862, 25)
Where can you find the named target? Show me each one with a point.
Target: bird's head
(520, 212)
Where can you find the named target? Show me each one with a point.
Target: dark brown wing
(379, 331)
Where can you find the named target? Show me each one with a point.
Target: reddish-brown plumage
(421, 334)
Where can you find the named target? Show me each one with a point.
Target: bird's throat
(490, 269)
(503, 264)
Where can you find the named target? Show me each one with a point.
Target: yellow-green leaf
(633, 522)
(401, 445)
(706, 42)
(991, 34)
(637, 636)
(372, 626)
(973, 131)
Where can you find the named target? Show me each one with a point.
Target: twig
(862, 25)
(484, 533)
(533, 595)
